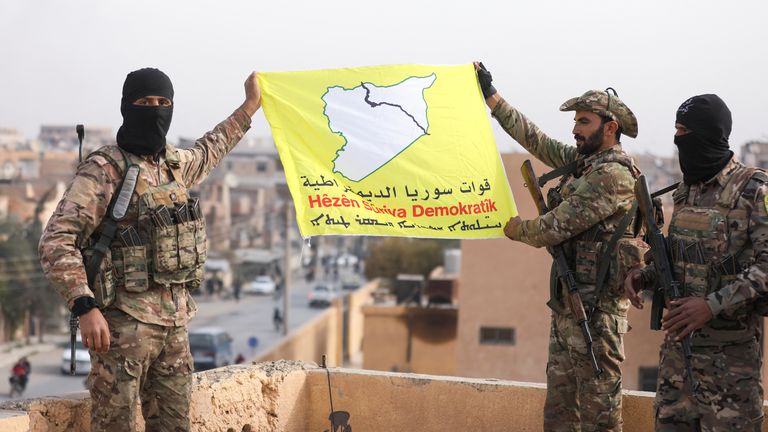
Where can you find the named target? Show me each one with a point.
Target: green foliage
(23, 287)
(392, 256)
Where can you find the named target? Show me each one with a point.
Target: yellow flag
(403, 150)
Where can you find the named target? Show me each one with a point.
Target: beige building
(64, 138)
(241, 199)
(755, 153)
(410, 338)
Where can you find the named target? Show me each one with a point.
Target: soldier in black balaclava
(703, 126)
(147, 109)
(148, 256)
(718, 241)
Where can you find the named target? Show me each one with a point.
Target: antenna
(80, 135)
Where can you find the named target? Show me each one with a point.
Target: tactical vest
(170, 248)
(710, 247)
(593, 249)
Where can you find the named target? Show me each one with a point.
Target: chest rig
(161, 240)
(601, 255)
(710, 244)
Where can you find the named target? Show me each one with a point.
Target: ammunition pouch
(102, 283)
(179, 253)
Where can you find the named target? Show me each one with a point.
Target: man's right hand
(94, 330)
(252, 95)
(633, 287)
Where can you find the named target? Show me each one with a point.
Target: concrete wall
(432, 341)
(356, 329)
(320, 336)
(323, 335)
(294, 397)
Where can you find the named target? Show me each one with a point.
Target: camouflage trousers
(147, 363)
(576, 399)
(730, 392)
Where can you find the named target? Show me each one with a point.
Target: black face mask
(697, 161)
(704, 151)
(144, 127)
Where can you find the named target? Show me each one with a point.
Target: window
(261, 166)
(648, 376)
(497, 336)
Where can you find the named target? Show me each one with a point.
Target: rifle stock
(564, 273)
(669, 287)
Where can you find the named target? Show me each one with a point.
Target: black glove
(485, 79)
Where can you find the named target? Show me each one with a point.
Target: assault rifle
(74, 322)
(669, 288)
(564, 273)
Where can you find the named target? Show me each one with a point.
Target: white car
(260, 285)
(321, 296)
(345, 260)
(82, 359)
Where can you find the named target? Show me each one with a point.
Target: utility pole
(287, 268)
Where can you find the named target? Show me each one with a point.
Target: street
(251, 316)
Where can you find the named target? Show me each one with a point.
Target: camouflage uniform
(143, 291)
(718, 238)
(594, 202)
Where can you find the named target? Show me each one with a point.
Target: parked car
(321, 296)
(260, 285)
(211, 348)
(345, 260)
(350, 283)
(82, 358)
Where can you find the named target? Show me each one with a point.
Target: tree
(24, 291)
(18, 271)
(393, 256)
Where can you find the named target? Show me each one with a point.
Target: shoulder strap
(173, 161)
(111, 160)
(622, 159)
(736, 186)
(115, 212)
(605, 260)
(759, 178)
(621, 228)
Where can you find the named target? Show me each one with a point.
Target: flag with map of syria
(401, 150)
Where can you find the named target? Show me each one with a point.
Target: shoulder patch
(765, 203)
(760, 176)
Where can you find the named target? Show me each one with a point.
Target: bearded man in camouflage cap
(133, 301)
(593, 200)
(718, 241)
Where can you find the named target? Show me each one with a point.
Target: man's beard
(592, 143)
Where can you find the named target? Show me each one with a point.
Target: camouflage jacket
(593, 203)
(718, 238)
(85, 203)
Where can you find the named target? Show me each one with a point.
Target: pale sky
(64, 62)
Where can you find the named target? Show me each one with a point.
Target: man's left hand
(687, 314)
(511, 227)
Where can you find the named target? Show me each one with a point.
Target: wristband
(83, 305)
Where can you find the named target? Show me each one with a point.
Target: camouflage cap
(604, 104)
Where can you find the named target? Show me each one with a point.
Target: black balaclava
(704, 151)
(144, 127)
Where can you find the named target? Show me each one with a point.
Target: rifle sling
(558, 172)
(108, 226)
(665, 190)
(605, 259)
